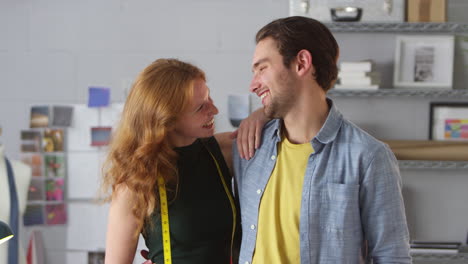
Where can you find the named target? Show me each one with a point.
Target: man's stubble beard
(285, 99)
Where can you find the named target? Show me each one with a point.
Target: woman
(166, 132)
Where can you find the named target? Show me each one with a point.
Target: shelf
(398, 27)
(422, 93)
(440, 258)
(423, 164)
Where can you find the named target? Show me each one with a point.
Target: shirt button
(273, 157)
(252, 227)
(259, 191)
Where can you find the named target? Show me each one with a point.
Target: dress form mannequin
(22, 174)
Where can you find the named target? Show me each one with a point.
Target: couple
(317, 190)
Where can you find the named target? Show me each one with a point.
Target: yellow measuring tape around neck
(231, 201)
(166, 236)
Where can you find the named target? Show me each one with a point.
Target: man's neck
(304, 121)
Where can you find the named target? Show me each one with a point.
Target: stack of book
(358, 75)
(434, 247)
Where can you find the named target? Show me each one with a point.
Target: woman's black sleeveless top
(200, 217)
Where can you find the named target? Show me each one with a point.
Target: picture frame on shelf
(448, 121)
(424, 61)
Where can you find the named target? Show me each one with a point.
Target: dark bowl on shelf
(346, 14)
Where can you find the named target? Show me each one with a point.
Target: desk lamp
(5, 232)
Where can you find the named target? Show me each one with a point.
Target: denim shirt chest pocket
(336, 208)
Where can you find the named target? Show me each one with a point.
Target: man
(319, 189)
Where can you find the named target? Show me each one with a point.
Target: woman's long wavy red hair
(139, 152)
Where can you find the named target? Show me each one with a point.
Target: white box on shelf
(356, 66)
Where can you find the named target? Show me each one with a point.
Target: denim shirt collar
(327, 133)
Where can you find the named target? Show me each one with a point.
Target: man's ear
(304, 63)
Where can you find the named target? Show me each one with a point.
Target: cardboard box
(427, 11)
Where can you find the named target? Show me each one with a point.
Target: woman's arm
(121, 241)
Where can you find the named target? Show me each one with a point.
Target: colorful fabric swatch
(98, 97)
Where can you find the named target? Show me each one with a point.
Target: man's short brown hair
(293, 34)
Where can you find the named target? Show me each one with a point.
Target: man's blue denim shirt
(351, 196)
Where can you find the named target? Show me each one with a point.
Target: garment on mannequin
(22, 174)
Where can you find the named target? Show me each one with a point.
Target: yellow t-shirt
(278, 220)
